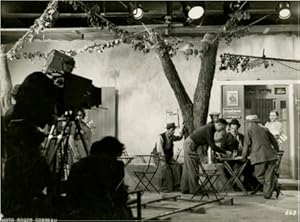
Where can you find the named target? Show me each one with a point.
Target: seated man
(96, 189)
(234, 142)
(170, 169)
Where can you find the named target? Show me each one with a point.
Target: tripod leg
(81, 136)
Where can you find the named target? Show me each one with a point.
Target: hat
(235, 122)
(170, 126)
(252, 118)
(214, 114)
(223, 121)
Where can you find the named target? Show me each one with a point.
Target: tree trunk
(6, 84)
(185, 103)
(205, 81)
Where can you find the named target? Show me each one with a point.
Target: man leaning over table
(262, 149)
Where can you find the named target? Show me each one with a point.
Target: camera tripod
(58, 150)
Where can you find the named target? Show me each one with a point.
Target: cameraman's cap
(223, 121)
(171, 126)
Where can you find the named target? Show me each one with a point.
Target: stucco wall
(144, 92)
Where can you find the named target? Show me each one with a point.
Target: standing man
(170, 169)
(214, 116)
(203, 136)
(263, 154)
(27, 182)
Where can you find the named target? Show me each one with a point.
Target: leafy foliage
(144, 41)
(239, 63)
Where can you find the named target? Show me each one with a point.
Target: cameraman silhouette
(27, 178)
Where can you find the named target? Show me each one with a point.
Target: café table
(234, 173)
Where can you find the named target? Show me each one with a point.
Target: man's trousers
(265, 174)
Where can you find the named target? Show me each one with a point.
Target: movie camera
(74, 92)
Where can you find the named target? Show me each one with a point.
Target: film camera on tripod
(75, 93)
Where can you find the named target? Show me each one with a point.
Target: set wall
(144, 92)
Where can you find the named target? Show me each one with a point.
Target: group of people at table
(259, 145)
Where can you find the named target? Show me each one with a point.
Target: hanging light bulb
(284, 11)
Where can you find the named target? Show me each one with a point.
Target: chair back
(149, 159)
(279, 156)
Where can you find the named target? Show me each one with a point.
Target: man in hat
(214, 116)
(200, 139)
(170, 169)
(262, 148)
(233, 140)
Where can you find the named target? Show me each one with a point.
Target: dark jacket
(168, 148)
(26, 172)
(230, 142)
(205, 136)
(260, 144)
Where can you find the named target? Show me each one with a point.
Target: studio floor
(245, 208)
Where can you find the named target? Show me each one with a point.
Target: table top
(126, 157)
(229, 159)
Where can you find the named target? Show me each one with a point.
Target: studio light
(284, 11)
(138, 13)
(194, 10)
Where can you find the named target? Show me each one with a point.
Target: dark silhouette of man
(96, 189)
(27, 179)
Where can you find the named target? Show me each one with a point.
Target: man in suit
(262, 149)
(234, 140)
(191, 146)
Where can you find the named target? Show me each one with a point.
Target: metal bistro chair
(145, 176)
(277, 172)
(205, 186)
